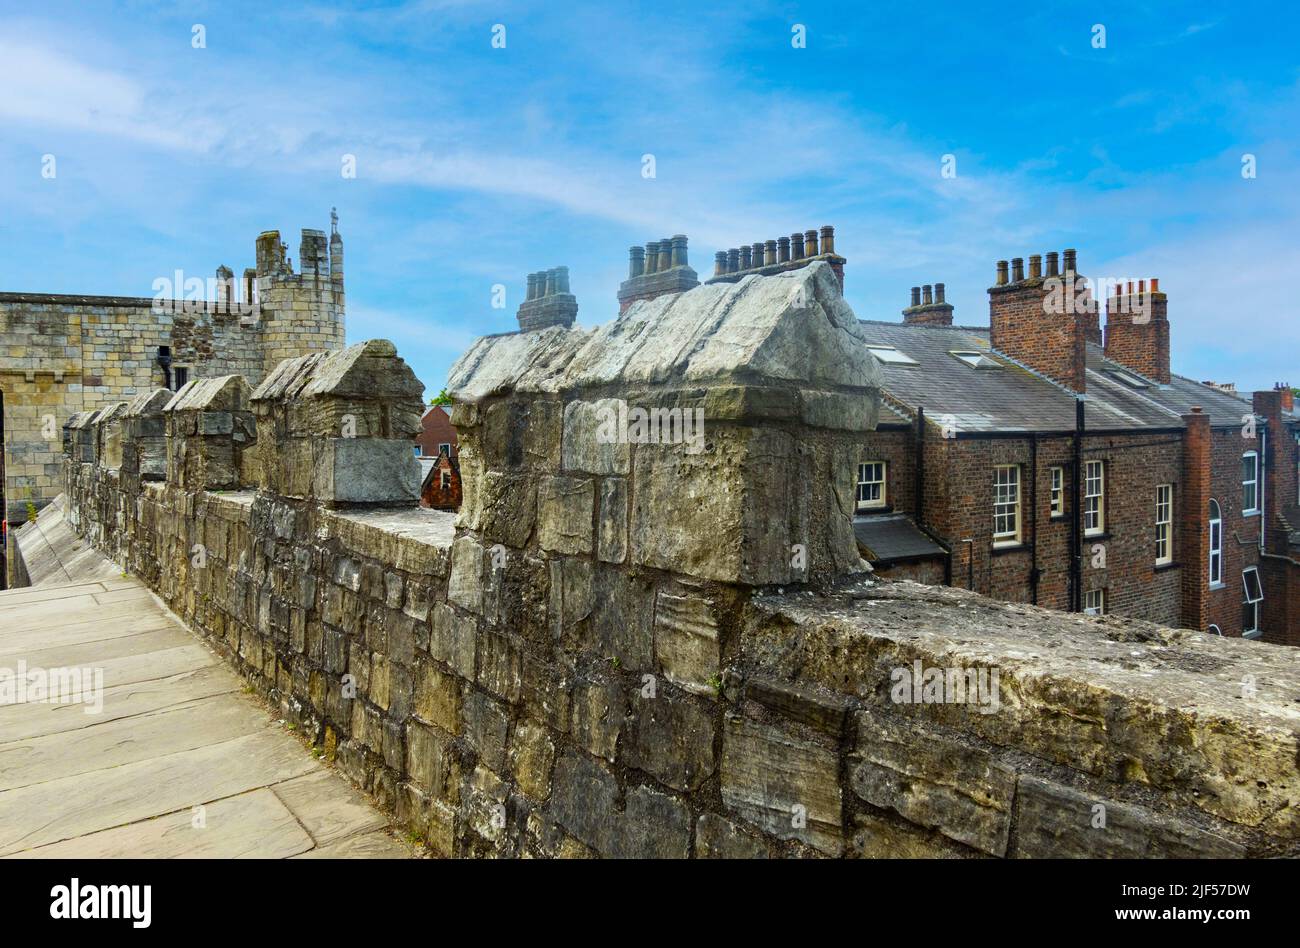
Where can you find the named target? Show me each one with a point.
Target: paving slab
(174, 759)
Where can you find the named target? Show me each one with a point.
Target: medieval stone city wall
(623, 648)
(62, 354)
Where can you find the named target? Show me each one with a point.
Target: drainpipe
(919, 486)
(1076, 524)
(1033, 518)
(1263, 463)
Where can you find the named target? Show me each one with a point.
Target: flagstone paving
(168, 758)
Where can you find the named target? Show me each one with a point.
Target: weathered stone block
(532, 754)
(486, 725)
(783, 784)
(565, 507)
(1056, 821)
(934, 781)
(596, 716)
(686, 641)
(591, 440)
(670, 738)
(654, 826)
(583, 800)
(717, 837)
(611, 529)
(465, 585)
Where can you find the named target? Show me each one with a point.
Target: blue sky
(478, 165)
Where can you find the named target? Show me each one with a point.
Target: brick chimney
(769, 257)
(1042, 320)
(1287, 395)
(1137, 329)
(658, 268)
(1193, 520)
(928, 307)
(1279, 463)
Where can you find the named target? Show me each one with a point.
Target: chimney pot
(665, 254)
(652, 257)
(532, 287)
(635, 262)
(828, 239)
(810, 243)
(733, 260)
(1017, 269)
(1155, 284)
(562, 279)
(550, 282)
(916, 296)
(679, 250)
(1035, 266)
(783, 249)
(926, 297)
(769, 252)
(719, 263)
(1053, 264)
(796, 246)
(1002, 273)
(746, 255)
(757, 257)
(938, 293)
(1070, 255)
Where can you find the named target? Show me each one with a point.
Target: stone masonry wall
(615, 649)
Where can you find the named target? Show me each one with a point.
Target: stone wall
(624, 648)
(63, 354)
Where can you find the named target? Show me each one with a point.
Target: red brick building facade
(436, 434)
(1036, 461)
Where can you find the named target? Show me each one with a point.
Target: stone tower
(304, 311)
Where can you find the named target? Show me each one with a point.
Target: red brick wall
(433, 494)
(436, 429)
(1137, 333)
(1240, 534)
(1052, 343)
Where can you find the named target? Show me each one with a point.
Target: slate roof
(892, 537)
(1012, 397)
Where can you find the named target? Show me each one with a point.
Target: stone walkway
(179, 761)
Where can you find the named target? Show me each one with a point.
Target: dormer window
(891, 355)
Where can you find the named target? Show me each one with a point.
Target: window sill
(879, 508)
(1100, 535)
(1252, 635)
(1056, 516)
(1216, 586)
(1165, 567)
(1009, 546)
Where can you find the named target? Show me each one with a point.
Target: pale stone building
(64, 354)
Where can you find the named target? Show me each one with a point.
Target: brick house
(1033, 460)
(440, 487)
(437, 436)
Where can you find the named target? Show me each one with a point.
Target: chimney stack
(665, 270)
(1039, 321)
(1137, 330)
(928, 307)
(548, 301)
(769, 257)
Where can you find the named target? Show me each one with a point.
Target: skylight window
(976, 360)
(891, 355)
(1132, 381)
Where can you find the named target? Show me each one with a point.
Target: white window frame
(1006, 504)
(1252, 600)
(447, 446)
(1094, 602)
(1056, 494)
(1094, 505)
(1216, 544)
(1164, 524)
(444, 480)
(1252, 482)
(865, 480)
